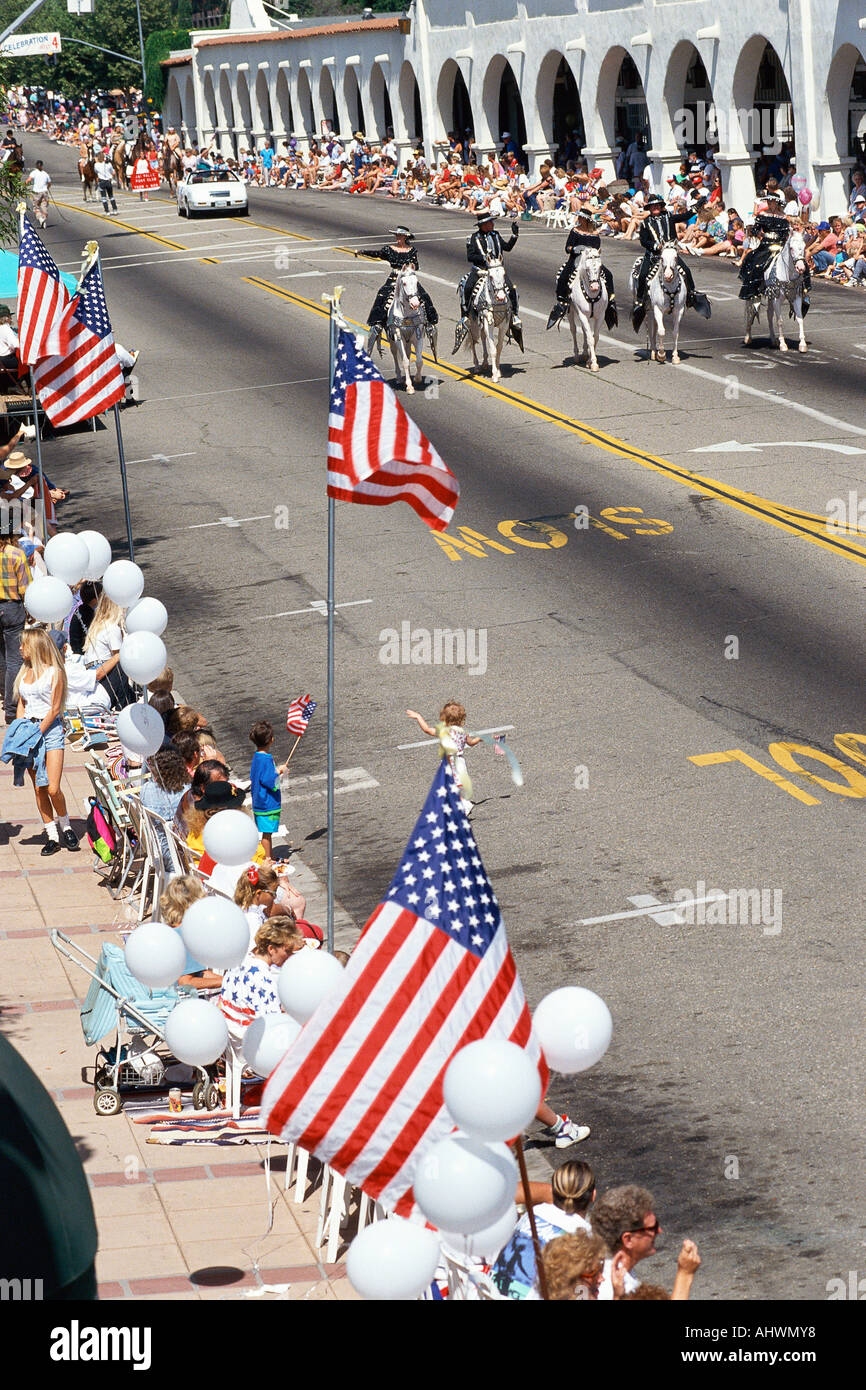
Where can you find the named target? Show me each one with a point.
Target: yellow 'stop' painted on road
(809, 528)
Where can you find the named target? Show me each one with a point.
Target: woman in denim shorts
(41, 691)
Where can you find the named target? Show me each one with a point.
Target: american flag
(85, 378)
(499, 744)
(299, 714)
(362, 1085)
(42, 300)
(376, 454)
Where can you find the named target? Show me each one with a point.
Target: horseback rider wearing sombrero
(583, 234)
(660, 227)
(773, 227)
(483, 246)
(398, 257)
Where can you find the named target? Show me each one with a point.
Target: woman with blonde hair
(181, 893)
(573, 1190)
(102, 652)
(250, 989)
(573, 1266)
(40, 689)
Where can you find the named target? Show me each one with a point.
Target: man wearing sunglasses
(625, 1220)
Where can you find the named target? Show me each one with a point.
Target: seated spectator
(188, 747)
(102, 652)
(255, 894)
(573, 1267)
(573, 1188)
(163, 793)
(163, 683)
(82, 616)
(821, 254)
(181, 893)
(250, 989)
(624, 1219)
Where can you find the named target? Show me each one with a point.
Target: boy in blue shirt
(265, 783)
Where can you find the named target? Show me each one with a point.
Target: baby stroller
(117, 1001)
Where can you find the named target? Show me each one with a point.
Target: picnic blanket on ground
(219, 1127)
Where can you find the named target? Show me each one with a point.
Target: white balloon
(196, 1032)
(464, 1185)
(267, 1040)
(147, 615)
(492, 1089)
(231, 837)
(155, 954)
(573, 1027)
(140, 730)
(67, 557)
(123, 582)
(99, 552)
(392, 1260)
(142, 656)
(216, 931)
(305, 980)
(483, 1245)
(48, 599)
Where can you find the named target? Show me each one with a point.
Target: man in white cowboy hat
(19, 483)
(482, 247)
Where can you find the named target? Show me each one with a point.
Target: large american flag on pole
(85, 378)
(362, 1085)
(376, 454)
(42, 300)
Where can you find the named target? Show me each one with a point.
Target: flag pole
(536, 1245)
(91, 255)
(333, 304)
(40, 509)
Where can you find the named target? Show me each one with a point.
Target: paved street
(704, 609)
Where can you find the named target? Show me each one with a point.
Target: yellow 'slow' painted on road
(805, 527)
(463, 541)
(852, 785)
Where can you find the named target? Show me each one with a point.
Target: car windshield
(214, 176)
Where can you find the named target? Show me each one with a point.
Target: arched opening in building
(284, 101)
(263, 103)
(354, 104)
(631, 117)
(380, 102)
(210, 100)
(455, 108)
(557, 101)
(305, 103)
(328, 103)
(244, 108)
(410, 102)
(689, 101)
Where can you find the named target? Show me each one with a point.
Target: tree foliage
(78, 69)
(157, 46)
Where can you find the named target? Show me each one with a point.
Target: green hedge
(157, 46)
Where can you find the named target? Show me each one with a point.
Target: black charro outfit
(655, 230)
(481, 249)
(573, 247)
(398, 260)
(774, 230)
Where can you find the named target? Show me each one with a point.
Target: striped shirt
(14, 573)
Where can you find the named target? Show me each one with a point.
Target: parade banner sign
(30, 45)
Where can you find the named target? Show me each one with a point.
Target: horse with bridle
(89, 181)
(665, 298)
(588, 305)
(489, 317)
(407, 325)
(171, 167)
(118, 163)
(784, 280)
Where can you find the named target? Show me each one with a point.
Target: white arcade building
(596, 72)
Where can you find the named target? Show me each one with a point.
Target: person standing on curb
(14, 578)
(40, 183)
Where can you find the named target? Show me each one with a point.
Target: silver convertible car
(211, 190)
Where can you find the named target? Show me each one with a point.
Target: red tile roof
(360, 26)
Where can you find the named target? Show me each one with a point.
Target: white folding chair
(333, 1209)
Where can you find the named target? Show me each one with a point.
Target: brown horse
(119, 159)
(89, 182)
(171, 167)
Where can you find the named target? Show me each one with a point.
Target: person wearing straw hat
(19, 482)
(582, 234)
(483, 246)
(398, 255)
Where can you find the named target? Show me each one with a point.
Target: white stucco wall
(817, 43)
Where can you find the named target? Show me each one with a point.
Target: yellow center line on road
(808, 527)
(127, 226)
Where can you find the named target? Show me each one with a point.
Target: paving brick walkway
(174, 1222)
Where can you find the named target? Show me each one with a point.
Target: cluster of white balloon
(70, 559)
(215, 931)
(465, 1184)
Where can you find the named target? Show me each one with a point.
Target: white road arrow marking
(672, 909)
(733, 446)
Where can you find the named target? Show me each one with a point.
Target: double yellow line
(807, 526)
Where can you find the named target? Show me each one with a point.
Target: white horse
(665, 298)
(783, 282)
(490, 311)
(406, 326)
(588, 305)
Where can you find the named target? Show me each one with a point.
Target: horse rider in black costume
(583, 234)
(398, 257)
(656, 229)
(482, 247)
(774, 229)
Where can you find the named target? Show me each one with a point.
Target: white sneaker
(567, 1133)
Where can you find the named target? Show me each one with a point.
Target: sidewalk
(184, 1222)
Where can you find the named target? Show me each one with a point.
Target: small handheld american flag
(299, 714)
